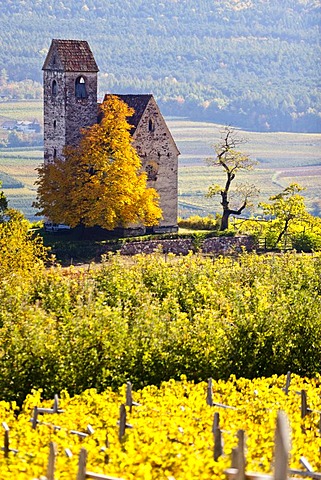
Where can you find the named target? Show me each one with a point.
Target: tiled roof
(137, 102)
(74, 55)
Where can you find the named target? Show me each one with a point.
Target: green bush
(199, 223)
(306, 242)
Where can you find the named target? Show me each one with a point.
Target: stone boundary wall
(178, 246)
(221, 245)
(182, 246)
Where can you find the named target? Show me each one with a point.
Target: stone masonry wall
(64, 114)
(159, 156)
(80, 112)
(227, 245)
(54, 114)
(182, 246)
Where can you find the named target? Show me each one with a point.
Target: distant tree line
(251, 64)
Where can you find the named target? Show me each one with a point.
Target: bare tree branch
(232, 161)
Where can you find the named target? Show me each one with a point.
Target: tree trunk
(282, 233)
(226, 215)
(224, 221)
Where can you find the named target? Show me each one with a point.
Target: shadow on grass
(78, 246)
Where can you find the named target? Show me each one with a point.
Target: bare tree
(232, 161)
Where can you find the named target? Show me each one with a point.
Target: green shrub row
(149, 319)
(196, 222)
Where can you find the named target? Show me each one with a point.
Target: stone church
(70, 103)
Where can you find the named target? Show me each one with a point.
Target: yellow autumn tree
(22, 254)
(101, 182)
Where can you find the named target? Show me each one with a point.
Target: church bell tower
(70, 95)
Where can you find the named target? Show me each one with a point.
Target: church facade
(70, 104)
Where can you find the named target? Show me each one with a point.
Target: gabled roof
(137, 102)
(72, 55)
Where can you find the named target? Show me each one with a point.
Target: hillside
(252, 63)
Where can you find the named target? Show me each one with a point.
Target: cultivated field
(171, 435)
(18, 174)
(27, 110)
(17, 165)
(282, 158)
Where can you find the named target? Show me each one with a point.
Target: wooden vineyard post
(6, 447)
(106, 458)
(129, 397)
(35, 418)
(82, 470)
(218, 447)
(81, 475)
(122, 422)
(287, 384)
(234, 458)
(55, 405)
(209, 398)
(6, 440)
(237, 470)
(240, 456)
(216, 421)
(52, 461)
(304, 408)
(282, 447)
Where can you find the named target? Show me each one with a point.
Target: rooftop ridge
(74, 55)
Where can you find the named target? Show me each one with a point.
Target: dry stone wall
(182, 246)
(221, 245)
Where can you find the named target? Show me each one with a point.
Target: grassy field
(282, 158)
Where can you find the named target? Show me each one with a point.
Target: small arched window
(80, 88)
(55, 153)
(54, 88)
(54, 124)
(151, 125)
(152, 170)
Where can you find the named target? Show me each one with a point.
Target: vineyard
(170, 430)
(167, 324)
(154, 318)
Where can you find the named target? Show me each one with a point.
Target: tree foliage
(232, 161)
(22, 253)
(101, 181)
(286, 210)
(285, 222)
